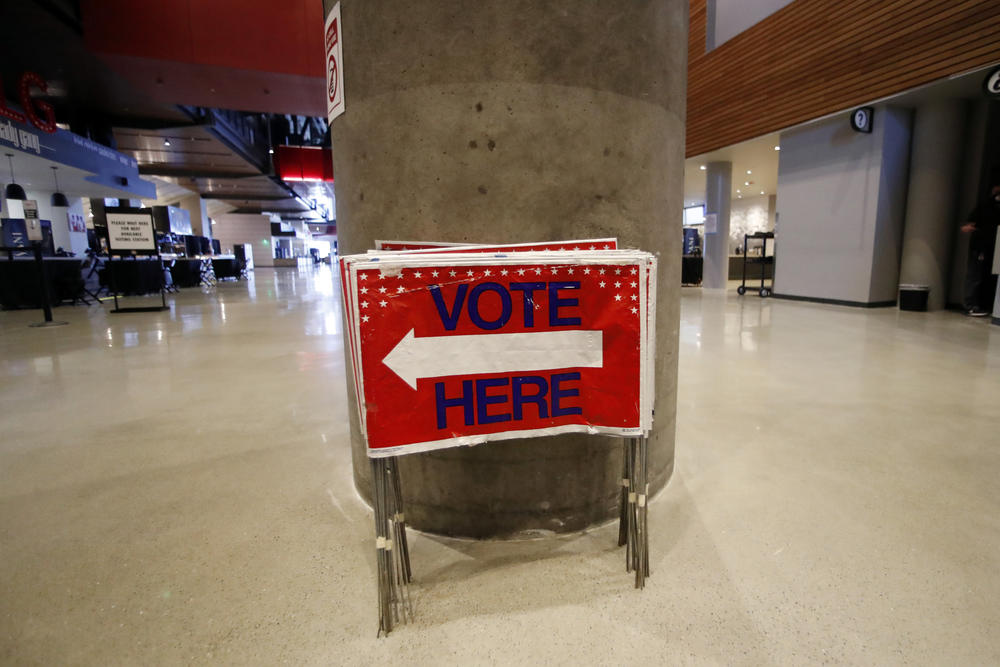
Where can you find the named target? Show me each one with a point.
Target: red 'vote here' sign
(462, 349)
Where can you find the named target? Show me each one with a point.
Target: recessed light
(703, 167)
(777, 148)
(749, 172)
(746, 182)
(739, 191)
(762, 192)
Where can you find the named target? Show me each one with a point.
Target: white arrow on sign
(437, 356)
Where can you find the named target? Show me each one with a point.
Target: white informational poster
(32, 224)
(712, 223)
(131, 231)
(334, 65)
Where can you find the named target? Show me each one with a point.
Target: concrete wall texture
(513, 122)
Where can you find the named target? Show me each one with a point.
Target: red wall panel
(284, 37)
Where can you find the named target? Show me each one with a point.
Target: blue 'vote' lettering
(556, 310)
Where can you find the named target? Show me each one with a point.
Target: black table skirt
(20, 284)
(134, 277)
(691, 269)
(225, 268)
(186, 272)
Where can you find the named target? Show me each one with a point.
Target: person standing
(981, 224)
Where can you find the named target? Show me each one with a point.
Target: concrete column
(718, 193)
(517, 121)
(935, 167)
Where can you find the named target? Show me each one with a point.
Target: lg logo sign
(38, 113)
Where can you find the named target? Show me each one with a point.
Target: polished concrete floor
(175, 488)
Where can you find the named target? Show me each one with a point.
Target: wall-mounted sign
(131, 232)
(334, 65)
(106, 166)
(77, 223)
(712, 223)
(861, 119)
(991, 85)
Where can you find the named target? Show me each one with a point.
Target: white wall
(62, 237)
(235, 228)
(746, 216)
(841, 201)
(895, 126)
(728, 18)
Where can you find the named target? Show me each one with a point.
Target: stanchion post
(43, 286)
(43, 282)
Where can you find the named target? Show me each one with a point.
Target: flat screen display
(694, 215)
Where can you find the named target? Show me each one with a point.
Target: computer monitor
(192, 246)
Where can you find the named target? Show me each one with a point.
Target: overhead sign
(131, 232)
(991, 85)
(454, 350)
(334, 65)
(861, 119)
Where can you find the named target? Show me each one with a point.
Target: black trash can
(913, 297)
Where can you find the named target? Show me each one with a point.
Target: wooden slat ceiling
(181, 150)
(816, 57)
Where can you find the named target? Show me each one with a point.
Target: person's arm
(970, 221)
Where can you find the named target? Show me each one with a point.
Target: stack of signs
(464, 345)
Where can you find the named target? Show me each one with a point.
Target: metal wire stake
(384, 623)
(399, 556)
(404, 550)
(645, 507)
(623, 498)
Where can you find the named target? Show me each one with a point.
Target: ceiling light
(270, 151)
(703, 167)
(58, 198)
(749, 172)
(166, 142)
(739, 190)
(746, 182)
(762, 192)
(777, 148)
(14, 191)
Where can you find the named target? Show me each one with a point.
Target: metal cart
(763, 260)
